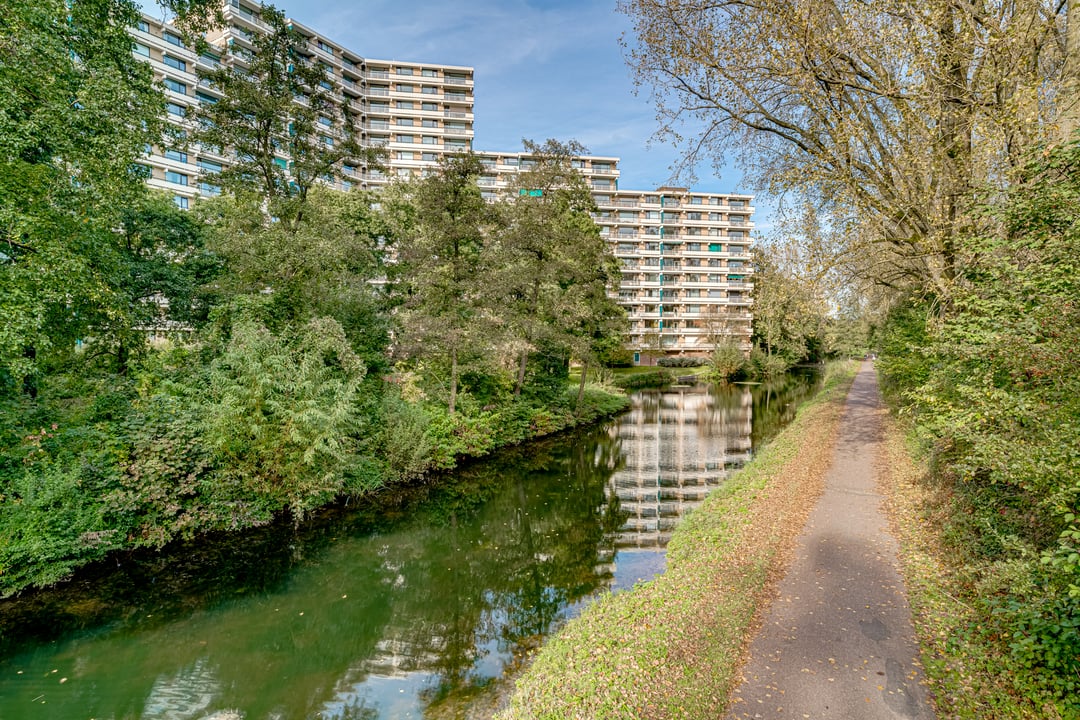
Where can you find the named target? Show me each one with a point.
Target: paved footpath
(838, 640)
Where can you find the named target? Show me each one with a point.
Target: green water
(412, 605)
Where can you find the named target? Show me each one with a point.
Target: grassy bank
(671, 647)
(971, 671)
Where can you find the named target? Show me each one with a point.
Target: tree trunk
(453, 379)
(522, 366)
(29, 381)
(581, 384)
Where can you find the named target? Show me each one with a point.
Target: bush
(682, 362)
(727, 361)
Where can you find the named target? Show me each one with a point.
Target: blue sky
(551, 68)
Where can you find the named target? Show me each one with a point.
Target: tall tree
(442, 233)
(279, 116)
(892, 112)
(76, 110)
(555, 269)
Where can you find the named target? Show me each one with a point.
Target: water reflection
(409, 606)
(678, 444)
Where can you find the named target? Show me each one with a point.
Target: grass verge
(970, 673)
(671, 648)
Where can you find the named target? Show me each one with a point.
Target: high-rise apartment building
(685, 261)
(684, 255)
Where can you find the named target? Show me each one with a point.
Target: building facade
(684, 255)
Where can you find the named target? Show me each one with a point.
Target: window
(325, 121)
(405, 104)
(404, 71)
(176, 87)
(429, 90)
(324, 47)
(405, 122)
(736, 204)
(210, 59)
(349, 170)
(429, 157)
(175, 109)
(714, 216)
(143, 26)
(326, 67)
(327, 140)
(177, 155)
(209, 189)
(140, 49)
(716, 247)
(428, 72)
(695, 201)
(430, 123)
(174, 63)
(429, 140)
(693, 247)
(451, 125)
(180, 201)
(404, 88)
(379, 107)
(429, 107)
(456, 96)
(457, 144)
(176, 178)
(693, 216)
(208, 165)
(404, 138)
(172, 39)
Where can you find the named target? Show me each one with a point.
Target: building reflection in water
(678, 445)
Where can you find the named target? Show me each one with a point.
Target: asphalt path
(838, 641)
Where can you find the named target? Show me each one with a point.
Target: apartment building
(684, 254)
(417, 112)
(685, 261)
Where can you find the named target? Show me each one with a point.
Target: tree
(789, 306)
(442, 227)
(76, 111)
(555, 269)
(892, 113)
(279, 117)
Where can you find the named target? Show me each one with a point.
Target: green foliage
(727, 361)
(280, 146)
(76, 110)
(281, 413)
(682, 362)
(991, 380)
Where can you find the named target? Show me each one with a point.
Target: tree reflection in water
(409, 605)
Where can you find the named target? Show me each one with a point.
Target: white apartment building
(686, 268)
(417, 112)
(684, 254)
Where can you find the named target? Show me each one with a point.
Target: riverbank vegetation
(929, 149)
(165, 372)
(672, 646)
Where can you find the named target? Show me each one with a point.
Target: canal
(410, 605)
